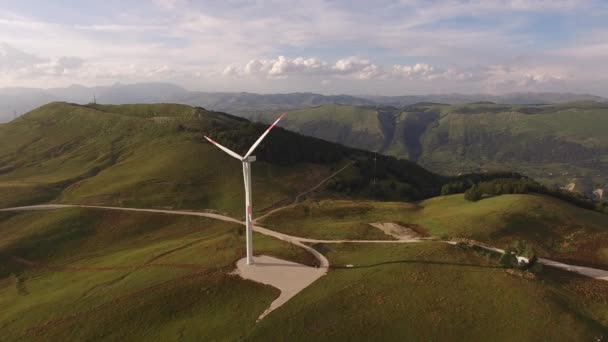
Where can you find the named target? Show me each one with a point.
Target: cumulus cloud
(283, 67)
(254, 46)
(419, 70)
(345, 68)
(501, 78)
(361, 68)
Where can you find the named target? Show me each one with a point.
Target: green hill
(348, 125)
(556, 229)
(83, 274)
(558, 144)
(155, 156)
(79, 274)
(92, 274)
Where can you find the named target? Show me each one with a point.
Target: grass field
(556, 229)
(89, 274)
(434, 292)
(96, 274)
(135, 155)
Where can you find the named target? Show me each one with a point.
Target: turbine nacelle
(247, 157)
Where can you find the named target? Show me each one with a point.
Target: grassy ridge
(155, 156)
(91, 155)
(556, 229)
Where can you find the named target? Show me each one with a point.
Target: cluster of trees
(462, 183)
(387, 178)
(524, 185)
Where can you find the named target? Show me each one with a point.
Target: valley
(560, 145)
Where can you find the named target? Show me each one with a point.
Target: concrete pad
(289, 277)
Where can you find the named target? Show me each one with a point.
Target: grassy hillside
(77, 274)
(434, 292)
(155, 156)
(555, 228)
(558, 144)
(348, 125)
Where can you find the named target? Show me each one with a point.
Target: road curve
(323, 262)
(301, 241)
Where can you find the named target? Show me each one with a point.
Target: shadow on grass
(271, 264)
(426, 262)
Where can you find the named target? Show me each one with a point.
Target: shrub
(473, 194)
(521, 249)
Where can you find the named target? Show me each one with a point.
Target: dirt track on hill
(279, 270)
(62, 268)
(299, 241)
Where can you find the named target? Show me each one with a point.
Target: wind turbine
(247, 160)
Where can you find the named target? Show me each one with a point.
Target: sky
(396, 47)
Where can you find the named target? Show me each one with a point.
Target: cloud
(12, 58)
(283, 67)
(501, 78)
(260, 46)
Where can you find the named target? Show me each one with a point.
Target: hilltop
(155, 155)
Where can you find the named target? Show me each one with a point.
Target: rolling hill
(95, 274)
(84, 274)
(556, 229)
(561, 144)
(155, 155)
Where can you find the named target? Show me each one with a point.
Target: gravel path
(291, 278)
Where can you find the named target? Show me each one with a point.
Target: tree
(473, 194)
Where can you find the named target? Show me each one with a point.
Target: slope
(556, 229)
(557, 144)
(79, 274)
(154, 156)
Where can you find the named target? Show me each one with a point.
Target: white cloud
(445, 45)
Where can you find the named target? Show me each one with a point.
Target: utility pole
(14, 114)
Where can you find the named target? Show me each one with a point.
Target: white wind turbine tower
(247, 160)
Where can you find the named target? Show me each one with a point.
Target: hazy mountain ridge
(16, 101)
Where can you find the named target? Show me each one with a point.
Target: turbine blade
(225, 149)
(263, 136)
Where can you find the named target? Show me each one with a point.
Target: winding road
(288, 277)
(300, 241)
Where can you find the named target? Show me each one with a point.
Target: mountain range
(16, 101)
